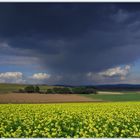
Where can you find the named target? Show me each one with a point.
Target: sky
(70, 43)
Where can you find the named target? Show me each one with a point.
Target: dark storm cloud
(73, 39)
(48, 19)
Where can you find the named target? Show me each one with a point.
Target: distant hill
(119, 87)
(111, 87)
(6, 88)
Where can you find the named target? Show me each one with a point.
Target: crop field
(75, 120)
(43, 98)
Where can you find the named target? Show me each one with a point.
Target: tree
(84, 90)
(36, 89)
(29, 89)
(91, 90)
(49, 91)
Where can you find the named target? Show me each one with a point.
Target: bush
(36, 89)
(75, 90)
(91, 90)
(66, 90)
(21, 91)
(29, 89)
(49, 91)
(83, 90)
(58, 90)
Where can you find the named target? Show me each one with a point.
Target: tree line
(59, 90)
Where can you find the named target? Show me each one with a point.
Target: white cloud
(117, 71)
(40, 76)
(18, 77)
(90, 74)
(110, 75)
(94, 77)
(11, 77)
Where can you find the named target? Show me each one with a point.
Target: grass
(116, 97)
(127, 96)
(8, 88)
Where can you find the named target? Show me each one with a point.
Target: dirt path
(42, 98)
(109, 92)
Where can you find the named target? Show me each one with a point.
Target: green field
(8, 88)
(130, 96)
(126, 96)
(75, 120)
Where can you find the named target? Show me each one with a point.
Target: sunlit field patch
(75, 120)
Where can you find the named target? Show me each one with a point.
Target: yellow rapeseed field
(75, 120)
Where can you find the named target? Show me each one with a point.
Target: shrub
(75, 90)
(29, 89)
(59, 90)
(21, 91)
(36, 89)
(49, 91)
(91, 90)
(83, 90)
